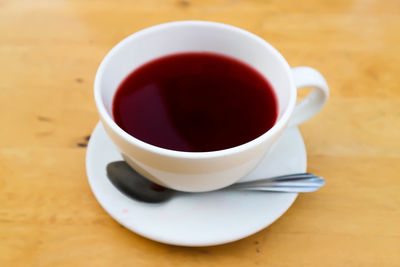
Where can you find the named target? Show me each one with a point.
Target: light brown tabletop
(49, 53)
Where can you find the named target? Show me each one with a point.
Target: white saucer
(197, 219)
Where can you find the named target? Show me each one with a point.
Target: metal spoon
(134, 185)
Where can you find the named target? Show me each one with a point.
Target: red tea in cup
(195, 102)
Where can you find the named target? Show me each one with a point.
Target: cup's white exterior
(193, 171)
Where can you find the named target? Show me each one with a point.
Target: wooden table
(50, 50)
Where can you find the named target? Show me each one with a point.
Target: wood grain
(50, 50)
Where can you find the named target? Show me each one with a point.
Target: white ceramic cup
(204, 171)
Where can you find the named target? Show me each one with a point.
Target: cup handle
(314, 102)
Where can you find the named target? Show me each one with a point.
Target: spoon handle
(282, 189)
(299, 181)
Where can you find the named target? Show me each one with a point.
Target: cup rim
(107, 119)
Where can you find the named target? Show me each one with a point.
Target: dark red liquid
(195, 102)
